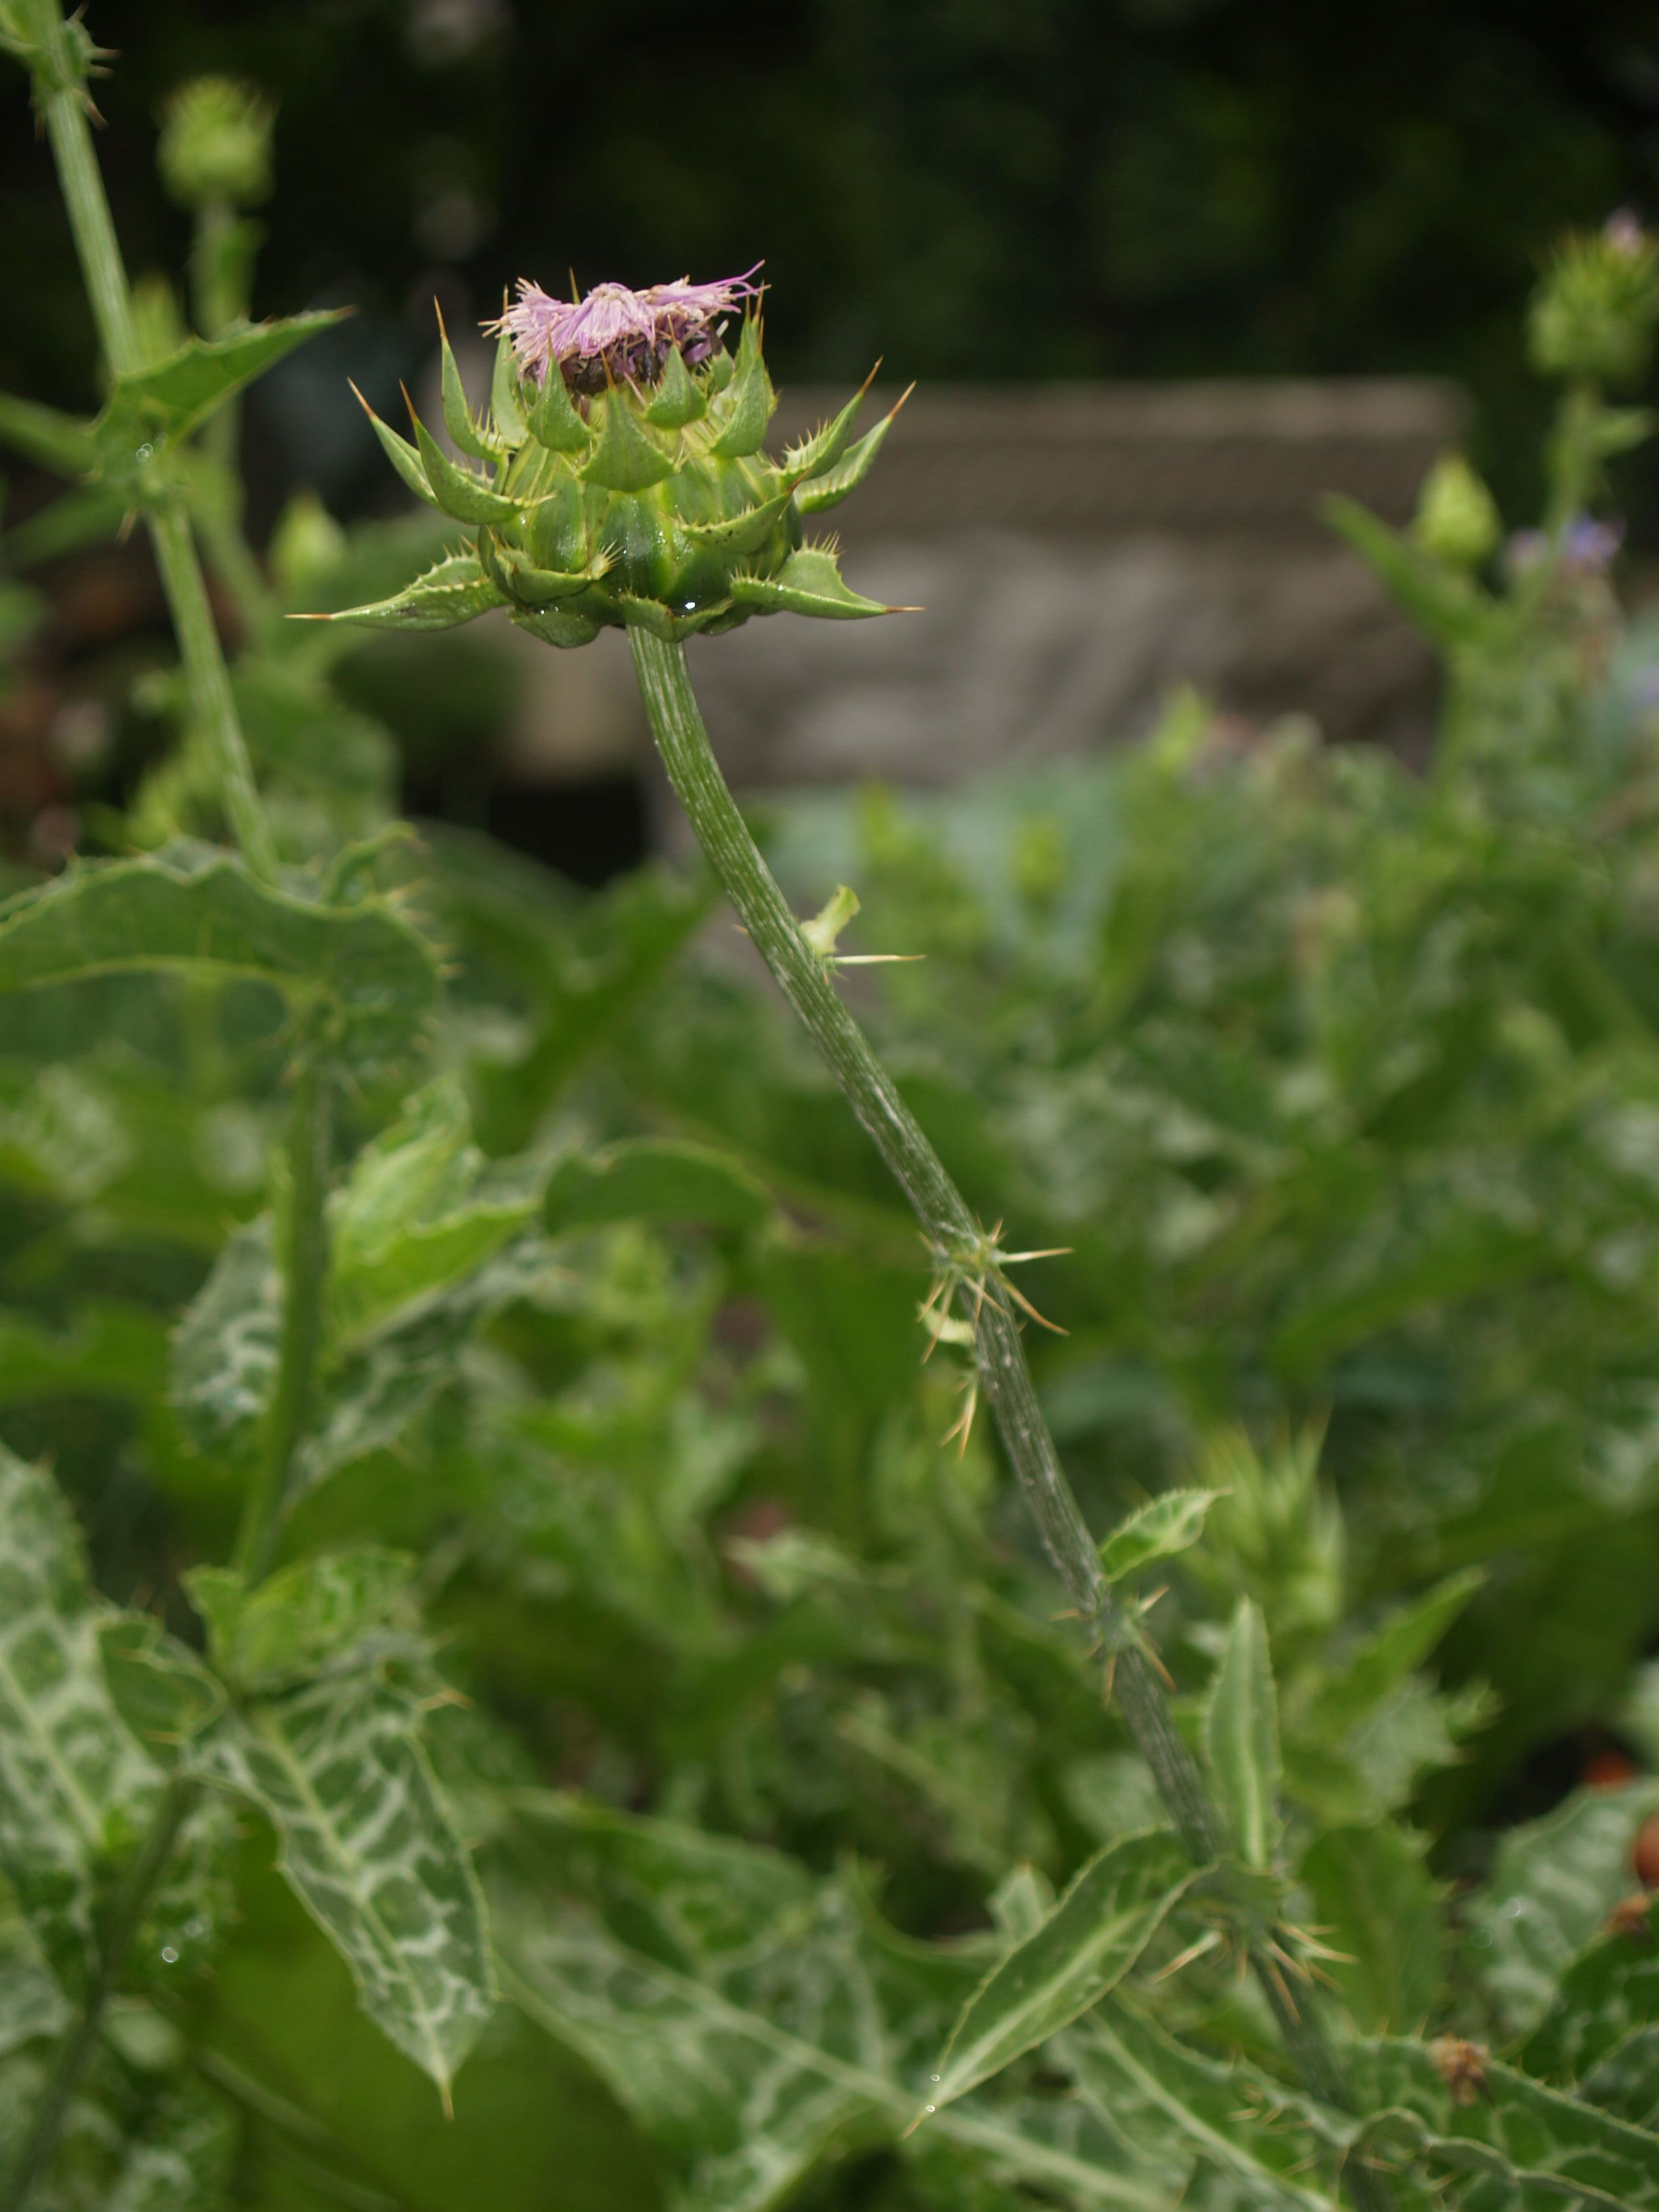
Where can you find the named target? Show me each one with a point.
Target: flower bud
(628, 482)
(1456, 518)
(216, 143)
(1593, 313)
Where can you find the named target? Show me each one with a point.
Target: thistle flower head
(625, 479)
(1594, 314)
(617, 335)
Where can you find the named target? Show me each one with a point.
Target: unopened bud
(1457, 520)
(216, 143)
(1593, 313)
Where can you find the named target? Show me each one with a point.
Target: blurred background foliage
(973, 188)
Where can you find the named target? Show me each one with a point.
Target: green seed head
(1593, 313)
(620, 476)
(216, 143)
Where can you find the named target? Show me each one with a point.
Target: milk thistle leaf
(678, 401)
(828, 489)
(746, 408)
(625, 458)
(457, 491)
(458, 412)
(41, 434)
(401, 454)
(173, 396)
(1156, 1530)
(455, 590)
(809, 583)
(1241, 1735)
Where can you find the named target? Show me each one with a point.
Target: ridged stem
(213, 709)
(949, 1228)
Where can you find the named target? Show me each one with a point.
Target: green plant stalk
(122, 1924)
(1003, 1372)
(212, 705)
(218, 515)
(304, 1277)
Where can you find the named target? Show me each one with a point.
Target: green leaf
(401, 454)
(1602, 2030)
(420, 1211)
(823, 492)
(809, 583)
(740, 413)
(74, 1787)
(1536, 2144)
(815, 455)
(31, 2003)
(457, 413)
(182, 2157)
(455, 590)
(739, 534)
(1240, 1736)
(1373, 1901)
(747, 2018)
(1390, 1654)
(160, 1688)
(626, 457)
(1553, 1883)
(306, 1615)
(1095, 1933)
(553, 420)
(677, 400)
(1157, 1530)
(173, 396)
(225, 1349)
(368, 1849)
(653, 1179)
(197, 908)
(1181, 2108)
(42, 433)
(108, 1350)
(90, 514)
(457, 491)
(1445, 603)
(505, 412)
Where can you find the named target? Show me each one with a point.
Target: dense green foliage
(491, 1611)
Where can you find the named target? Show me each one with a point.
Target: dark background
(973, 188)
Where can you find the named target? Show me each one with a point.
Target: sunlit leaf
(289, 1626)
(1156, 1530)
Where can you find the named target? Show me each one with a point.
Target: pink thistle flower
(614, 333)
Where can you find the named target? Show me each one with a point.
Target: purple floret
(615, 334)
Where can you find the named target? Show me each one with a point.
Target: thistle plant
(630, 488)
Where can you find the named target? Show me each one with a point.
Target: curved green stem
(1003, 1375)
(61, 104)
(127, 1912)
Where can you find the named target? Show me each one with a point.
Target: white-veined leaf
(369, 1849)
(74, 1790)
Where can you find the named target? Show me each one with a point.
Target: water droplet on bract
(1483, 1937)
(145, 453)
(930, 2108)
(1513, 1907)
(169, 1956)
(933, 2077)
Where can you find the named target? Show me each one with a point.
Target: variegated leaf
(369, 1849)
(75, 1788)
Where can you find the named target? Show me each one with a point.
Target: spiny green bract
(652, 505)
